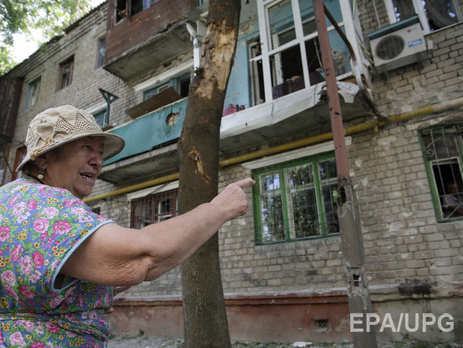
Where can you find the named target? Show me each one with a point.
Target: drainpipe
(348, 214)
(196, 47)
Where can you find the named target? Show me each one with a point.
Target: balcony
(136, 43)
(151, 139)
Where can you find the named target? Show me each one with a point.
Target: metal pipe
(425, 110)
(132, 188)
(348, 214)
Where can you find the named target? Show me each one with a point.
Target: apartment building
(400, 83)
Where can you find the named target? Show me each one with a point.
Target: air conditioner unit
(398, 44)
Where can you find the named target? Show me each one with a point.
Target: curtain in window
(440, 13)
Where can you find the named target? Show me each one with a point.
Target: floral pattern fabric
(40, 227)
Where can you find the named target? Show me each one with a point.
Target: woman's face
(75, 166)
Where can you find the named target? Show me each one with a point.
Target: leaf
(22, 17)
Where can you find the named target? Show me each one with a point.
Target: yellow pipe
(294, 145)
(132, 188)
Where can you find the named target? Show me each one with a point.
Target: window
(153, 91)
(153, 209)
(101, 117)
(442, 152)
(124, 7)
(286, 57)
(66, 69)
(296, 200)
(433, 14)
(101, 52)
(32, 93)
(20, 154)
(181, 85)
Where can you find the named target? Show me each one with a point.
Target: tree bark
(205, 319)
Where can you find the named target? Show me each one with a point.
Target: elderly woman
(59, 261)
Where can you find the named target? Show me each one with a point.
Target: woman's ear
(41, 161)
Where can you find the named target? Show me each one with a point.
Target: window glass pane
(301, 175)
(440, 13)
(331, 207)
(101, 52)
(450, 187)
(153, 209)
(286, 68)
(440, 144)
(281, 23)
(257, 73)
(329, 182)
(163, 209)
(403, 9)
(335, 9)
(101, 118)
(327, 169)
(273, 229)
(272, 217)
(66, 77)
(340, 53)
(303, 208)
(32, 93)
(307, 16)
(270, 182)
(304, 212)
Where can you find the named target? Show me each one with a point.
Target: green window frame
(102, 117)
(442, 154)
(295, 200)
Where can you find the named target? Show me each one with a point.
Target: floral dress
(40, 227)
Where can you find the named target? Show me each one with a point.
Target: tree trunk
(205, 318)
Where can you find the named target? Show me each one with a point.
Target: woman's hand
(233, 199)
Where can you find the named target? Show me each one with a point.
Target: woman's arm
(115, 255)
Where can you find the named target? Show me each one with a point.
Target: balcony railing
(152, 130)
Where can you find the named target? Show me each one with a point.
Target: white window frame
(419, 10)
(266, 40)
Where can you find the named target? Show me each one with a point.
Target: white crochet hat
(63, 124)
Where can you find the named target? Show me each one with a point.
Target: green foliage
(24, 16)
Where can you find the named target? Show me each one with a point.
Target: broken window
(132, 7)
(101, 51)
(153, 209)
(101, 117)
(32, 93)
(181, 84)
(434, 14)
(286, 57)
(442, 152)
(296, 200)
(65, 72)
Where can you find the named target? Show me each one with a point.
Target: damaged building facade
(400, 82)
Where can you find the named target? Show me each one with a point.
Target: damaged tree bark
(205, 319)
(349, 218)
